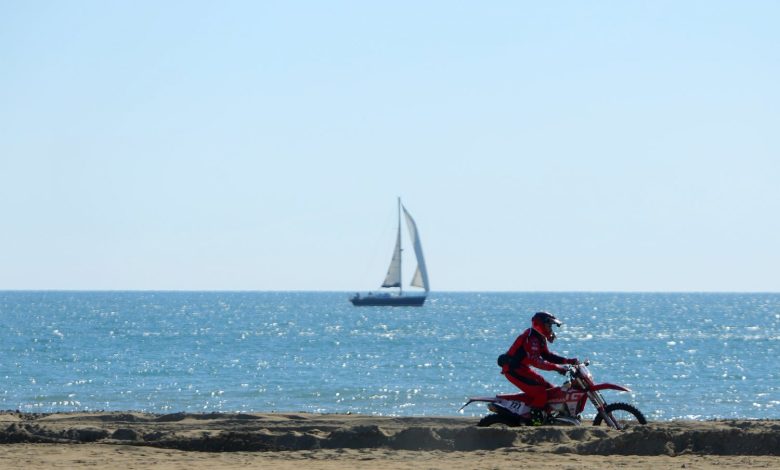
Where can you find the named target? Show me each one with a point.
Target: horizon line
(378, 290)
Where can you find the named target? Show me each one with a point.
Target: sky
(262, 145)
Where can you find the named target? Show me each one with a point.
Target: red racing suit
(530, 349)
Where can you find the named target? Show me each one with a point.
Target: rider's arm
(537, 351)
(554, 358)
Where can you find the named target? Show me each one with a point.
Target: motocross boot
(538, 417)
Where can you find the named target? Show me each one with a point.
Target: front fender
(609, 386)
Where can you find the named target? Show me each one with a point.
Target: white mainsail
(393, 278)
(420, 278)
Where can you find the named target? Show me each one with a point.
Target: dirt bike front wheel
(492, 419)
(623, 414)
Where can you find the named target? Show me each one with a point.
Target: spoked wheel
(490, 420)
(623, 414)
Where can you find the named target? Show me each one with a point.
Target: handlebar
(571, 368)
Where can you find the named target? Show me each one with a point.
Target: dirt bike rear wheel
(492, 419)
(623, 413)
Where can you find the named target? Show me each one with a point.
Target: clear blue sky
(261, 145)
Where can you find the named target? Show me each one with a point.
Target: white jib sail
(420, 278)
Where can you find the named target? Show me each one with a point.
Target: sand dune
(287, 439)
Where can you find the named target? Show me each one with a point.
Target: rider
(530, 349)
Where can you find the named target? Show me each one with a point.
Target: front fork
(601, 405)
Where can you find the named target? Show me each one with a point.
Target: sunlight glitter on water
(682, 354)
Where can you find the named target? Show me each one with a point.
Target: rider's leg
(532, 384)
(535, 388)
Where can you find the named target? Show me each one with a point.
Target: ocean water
(693, 356)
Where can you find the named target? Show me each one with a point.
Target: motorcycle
(564, 406)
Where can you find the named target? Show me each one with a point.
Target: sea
(683, 355)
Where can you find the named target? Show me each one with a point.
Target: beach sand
(132, 440)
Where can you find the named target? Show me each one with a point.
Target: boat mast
(400, 252)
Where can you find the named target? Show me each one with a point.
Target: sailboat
(393, 278)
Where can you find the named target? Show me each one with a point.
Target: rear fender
(609, 386)
(479, 399)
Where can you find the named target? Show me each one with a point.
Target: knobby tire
(490, 420)
(631, 409)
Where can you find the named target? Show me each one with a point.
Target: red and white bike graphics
(565, 404)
